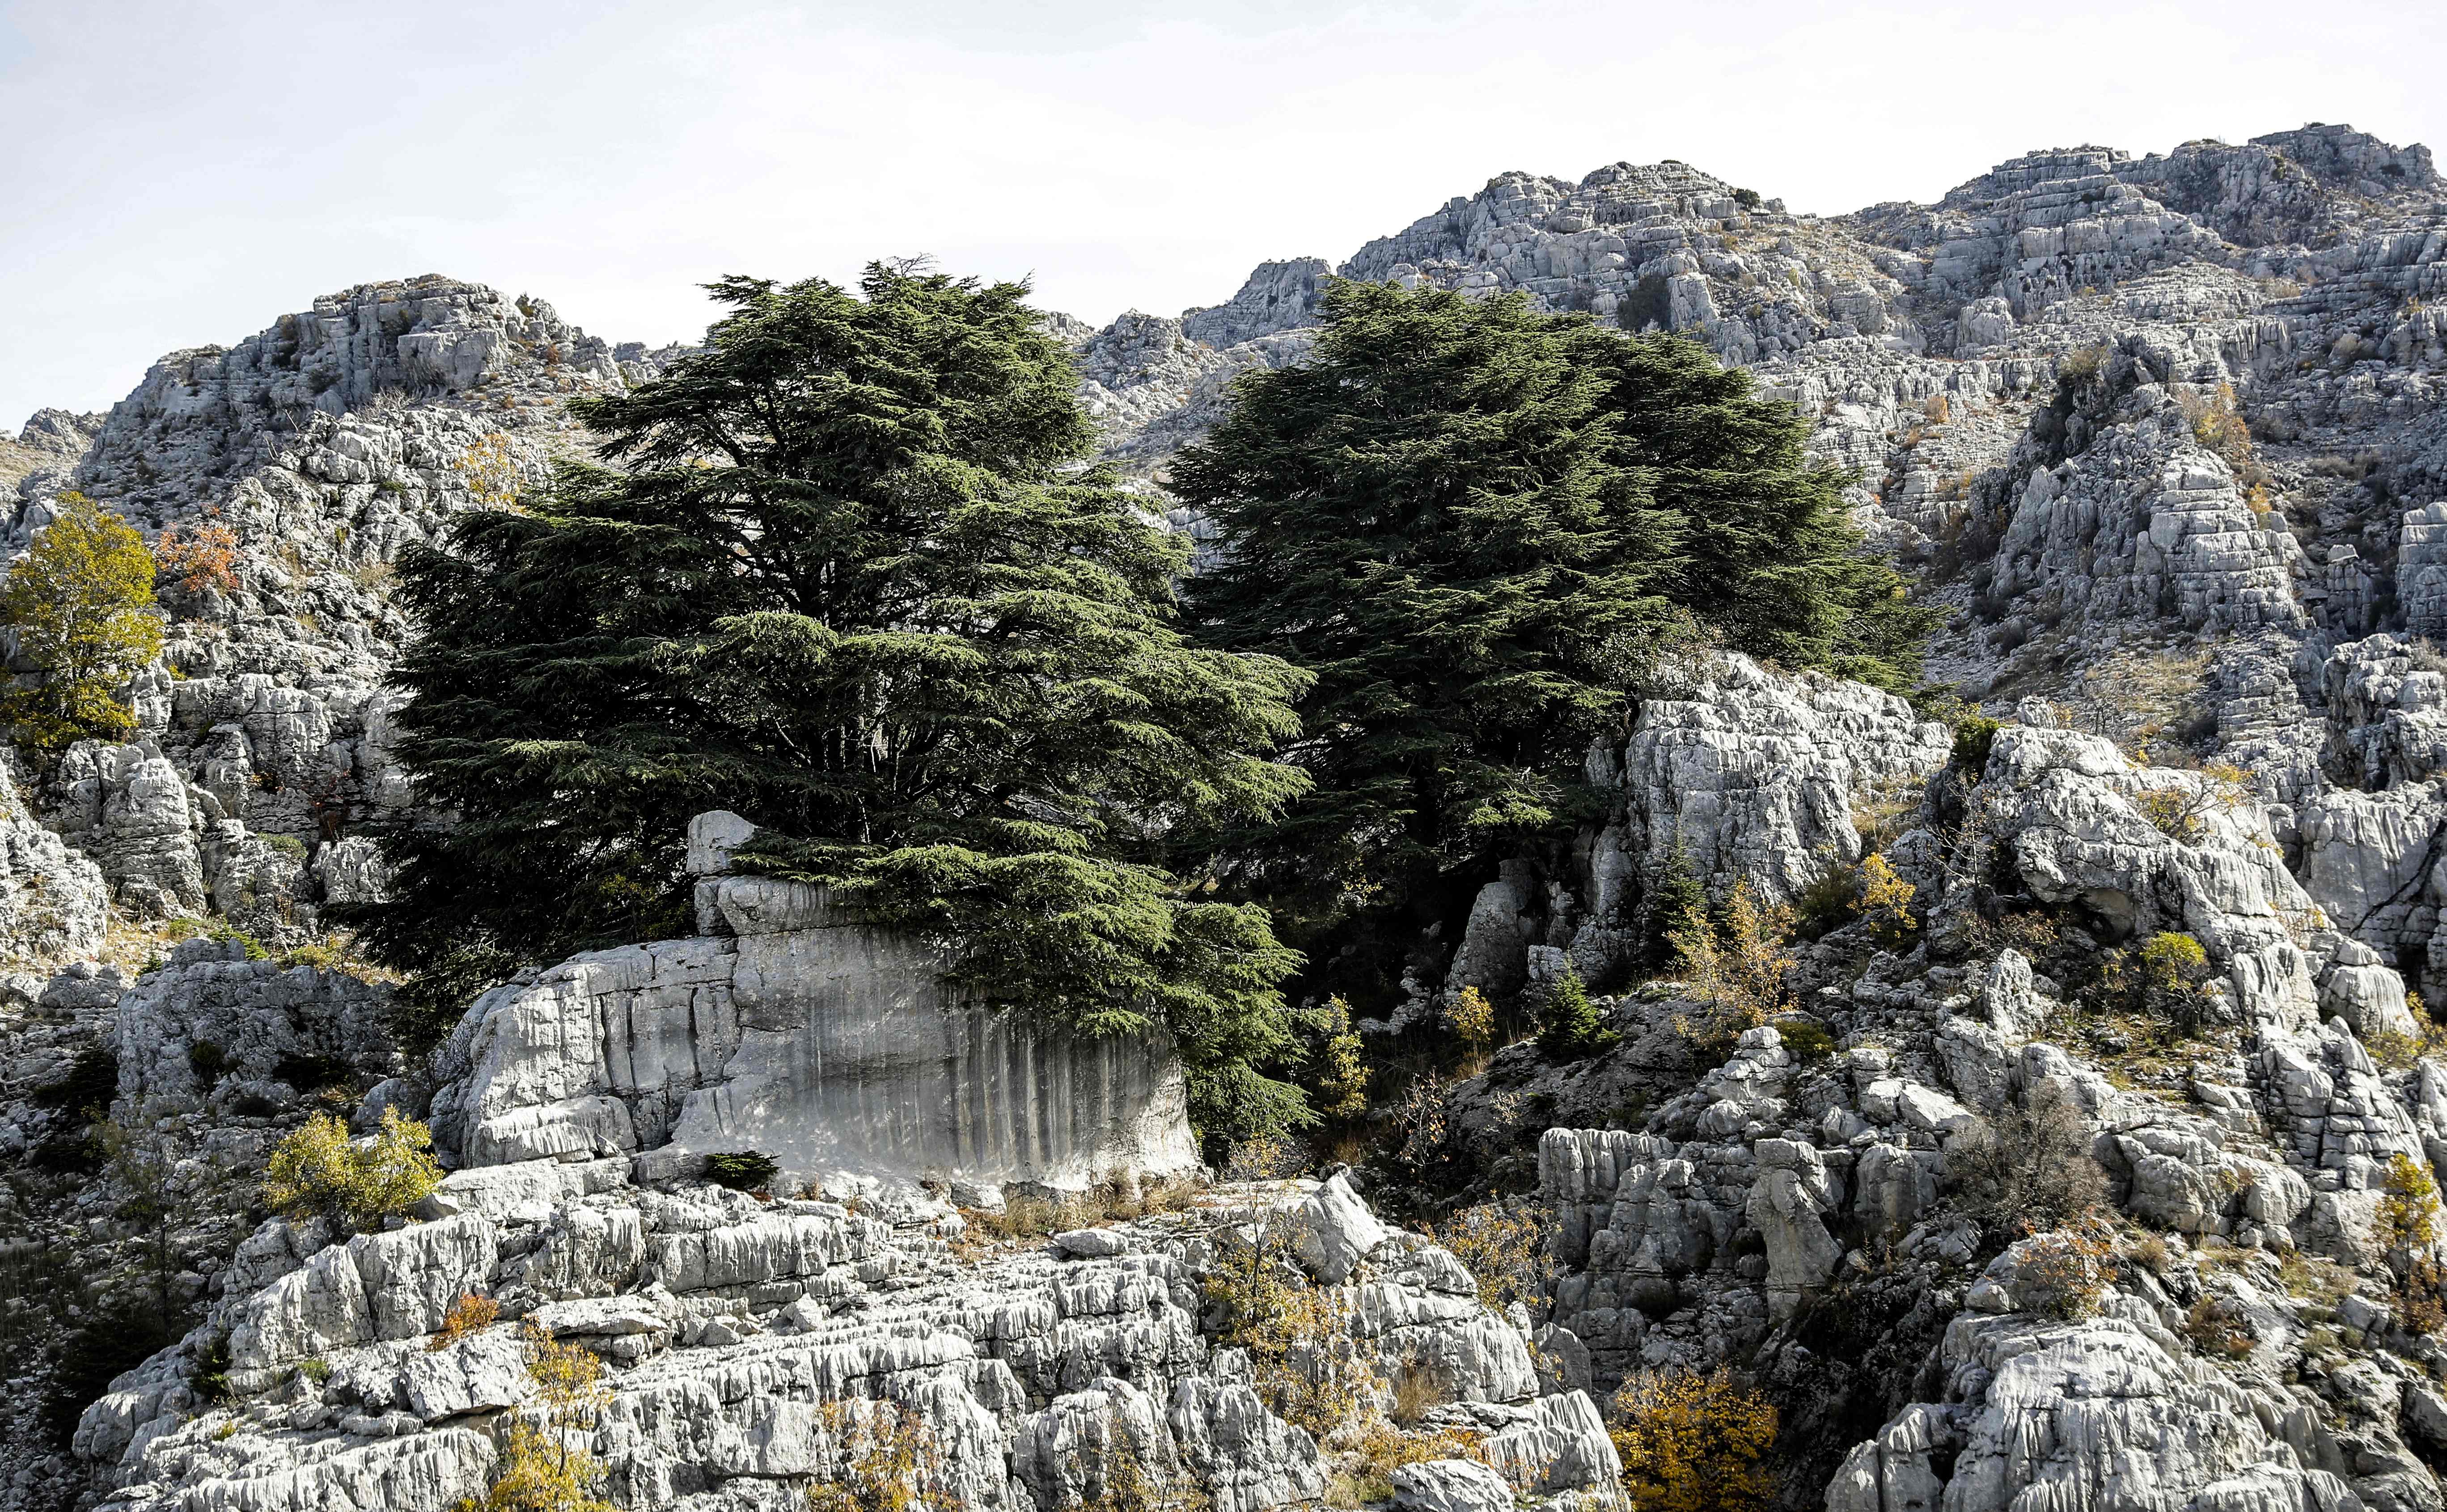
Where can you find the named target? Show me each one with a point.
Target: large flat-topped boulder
(829, 1045)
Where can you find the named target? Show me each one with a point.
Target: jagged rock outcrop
(325, 446)
(1747, 775)
(213, 1026)
(53, 899)
(44, 452)
(739, 1330)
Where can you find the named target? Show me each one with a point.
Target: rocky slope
(2162, 433)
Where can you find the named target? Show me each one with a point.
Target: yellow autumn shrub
(1692, 1442)
(318, 1171)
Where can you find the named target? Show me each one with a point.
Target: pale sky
(179, 173)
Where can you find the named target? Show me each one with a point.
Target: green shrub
(2172, 962)
(1676, 903)
(2173, 968)
(1289, 1329)
(1826, 904)
(208, 1061)
(741, 1170)
(221, 931)
(209, 1377)
(2077, 369)
(1805, 1039)
(1568, 1024)
(1975, 735)
(2028, 1167)
(1341, 1090)
(318, 1171)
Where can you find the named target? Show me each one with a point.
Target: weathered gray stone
(1450, 1486)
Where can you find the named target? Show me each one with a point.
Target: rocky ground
(2162, 434)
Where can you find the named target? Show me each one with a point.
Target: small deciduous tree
(2409, 1214)
(82, 604)
(1503, 1245)
(2026, 1169)
(2179, 807)
(888, 1461)
(1884, 902)
(1733, 968)
(2062, 1273)
(469, 1315)
(318, 1171)
(1342, 1074)
(490, 470)
(1471, 1019)
(200, 556)
(541, 1469)
(1289, 1329)
(142, 1156)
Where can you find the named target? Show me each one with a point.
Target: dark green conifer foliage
(853, 582)
(1769, 559)
(1674, 901)
(1569, 1025)
(1479, 527)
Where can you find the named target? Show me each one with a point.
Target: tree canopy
(81, 603)
(852, 580)
(1478, 526)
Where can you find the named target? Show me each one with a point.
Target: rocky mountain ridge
(2162, 433)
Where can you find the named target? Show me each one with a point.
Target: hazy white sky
(180, 172)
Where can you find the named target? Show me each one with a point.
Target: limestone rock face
(830, 1046)
(1450, 1485)
(1278, 297)
(2072, 1410)
(212, 1017)
(1748, 775)
(1334, 1231)
(324, 445)
(52, 897)
(43, 452)
(2074, 814)
(1756, 776)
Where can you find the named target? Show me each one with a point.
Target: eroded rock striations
(829, 1045)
